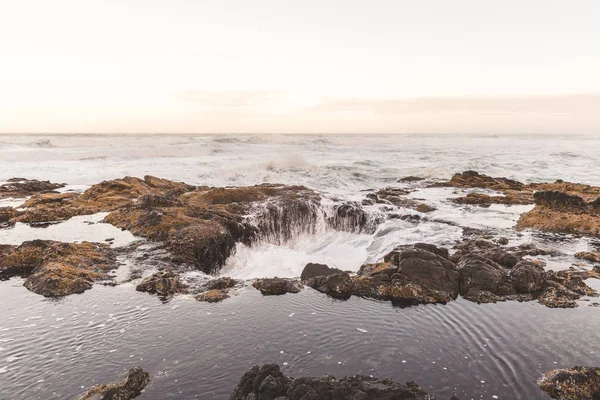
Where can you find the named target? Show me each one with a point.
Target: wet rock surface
(21, 187)
(479, 271)
(277, 286)
(409, 276)
(131, 387)
(54, 268)
(590, 256)
(269, 383)
(563, 213)
(312, 270)
(165, 284)
(577, 383)
(217, 290)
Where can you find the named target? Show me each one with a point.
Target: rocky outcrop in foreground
(479, 271)
(131, 387)
(269, 383)
(56, 269)
(577, 383)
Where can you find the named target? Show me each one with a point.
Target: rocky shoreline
(200, 226)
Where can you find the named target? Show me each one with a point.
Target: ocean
(55, 349)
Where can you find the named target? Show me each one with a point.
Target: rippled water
(53, 349)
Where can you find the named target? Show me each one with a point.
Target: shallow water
(53, 349)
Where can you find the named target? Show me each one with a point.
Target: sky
(278, 66)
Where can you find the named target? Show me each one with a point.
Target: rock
(505, 257)
(130, 388)
(21, 187)
(577, 383)
(410, 179)
(277, 286)
(473, 179)
(502, 241)
(528, 277)
(6, 213)
(213, 296)
(561, 212)
(269, 383)
(54, 268)
(483, 280)
(588, 256)
(163, 283)
(221, 283)
(339, 286)
(312, 270)
(424, 208)
(409, 276)
(350, 217)
(484, 200)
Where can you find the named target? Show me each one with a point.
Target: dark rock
(502, 241)
(163, 283)
(221, 283)
(130, 388)
(277, 286)
(339, 286)
(269, 383)
(350, 217)
(410, 179)
(577, 383)
(480, 277)
(528, 277)
(558, 200)
(20, 187)
(312, 270)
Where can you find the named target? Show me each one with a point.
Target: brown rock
(277, 286)
(54, 268)
(131, 387)
(21, 187)
(589, 256)
(577, 383)
(213, 296)
(163, 283)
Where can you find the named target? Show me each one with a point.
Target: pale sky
(248, 66)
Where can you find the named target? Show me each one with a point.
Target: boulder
(269, 383)
(482, 279)
(312, 270)
(54, 268)
(590, 256)
(131, 387)
(577, 383)
(163, 283)
(277, 286)
(339, 286)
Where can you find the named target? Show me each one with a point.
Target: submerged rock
(312, 270)
(54, 268)
(277, 286)
(21, 187)
(131, 387)
(577, 383)
(269, 383)
(213, 296)
(163, 283)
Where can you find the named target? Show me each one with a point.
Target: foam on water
(77, 229)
